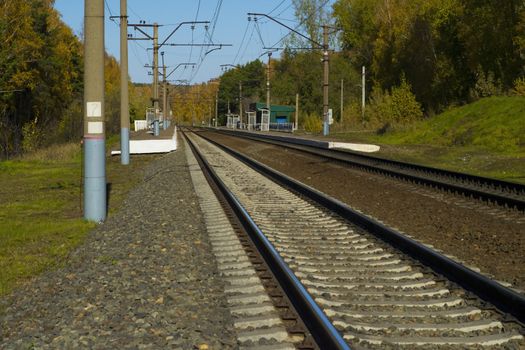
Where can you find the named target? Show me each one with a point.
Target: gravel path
(146, 278)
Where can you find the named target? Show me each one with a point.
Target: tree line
(421, 57)
(41, 80)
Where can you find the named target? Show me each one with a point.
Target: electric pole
(363, 94)
(164, 95)
(268, 82)
(124, 93)
(296, 111)
(342, 101)
(326, 59)
(156, 68)
(216, 106)
(94, 128)
(240, 101)
(209, 115)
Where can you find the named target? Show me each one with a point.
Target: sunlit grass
(41, 220)
(485, 138)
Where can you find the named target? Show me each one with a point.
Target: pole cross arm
(200, 45)
(286, 26)
(180, 64)
(218, 47)
(180, 25)
(148, 37)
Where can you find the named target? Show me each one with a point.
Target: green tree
(41, 64)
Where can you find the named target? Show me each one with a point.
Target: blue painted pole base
(95, 196)
(326, 128)
(124, 146)
(156, 129)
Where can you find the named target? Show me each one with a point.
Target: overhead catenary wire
(247, 44)
(259, 33)
(134, 12)
(208, 39)
(242, 42)
(193, 29)
(276, 7)
(134, 48)
(302, 22)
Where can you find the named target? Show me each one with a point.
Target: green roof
(275, 108)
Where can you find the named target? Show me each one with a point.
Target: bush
(31, 136)
(486, 86)
(397, 107)
(405, 108)
(519, 87)
(352, 119)
(312, 123)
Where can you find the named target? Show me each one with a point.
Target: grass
(40, 209)
(485, 138)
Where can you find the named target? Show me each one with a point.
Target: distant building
(278, 114)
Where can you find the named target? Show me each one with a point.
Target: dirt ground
(476, 234)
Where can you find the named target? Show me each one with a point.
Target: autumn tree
(444, 48)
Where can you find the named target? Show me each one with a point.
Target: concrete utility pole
(209, 116)
(240, 101)
(94, 128)
(326, 59)
(156, 76)
(216, 106)
(342, 101)
(124, 93)
(363, 94)
(268, 82)
(164, 95)
(296, 111)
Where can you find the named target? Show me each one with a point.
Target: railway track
(375, 296)
(502, 193)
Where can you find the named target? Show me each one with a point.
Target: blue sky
(231, 27)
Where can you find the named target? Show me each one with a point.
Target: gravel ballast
(146, 278)
(480, 236)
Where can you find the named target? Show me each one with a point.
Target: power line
(283, 11)
(259, 33)
(242, 42)
(136, 54)
(134, 12)
(208, 37)
(302, 22)
(276, 7)
(247, 44)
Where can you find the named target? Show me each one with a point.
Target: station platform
(144, 142)
(309, 140)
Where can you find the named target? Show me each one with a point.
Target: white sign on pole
(95, 127)
(330, 117)
(94, 109)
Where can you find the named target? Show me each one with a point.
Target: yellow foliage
(519, 86)
(312, 123)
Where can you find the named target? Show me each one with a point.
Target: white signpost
(265, 120)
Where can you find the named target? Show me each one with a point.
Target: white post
(296, 111)
(342, 99)
(363, 94)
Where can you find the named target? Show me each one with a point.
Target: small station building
(278, 114)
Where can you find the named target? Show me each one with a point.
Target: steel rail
(506, 299)
(322, 330)
(364, 161)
